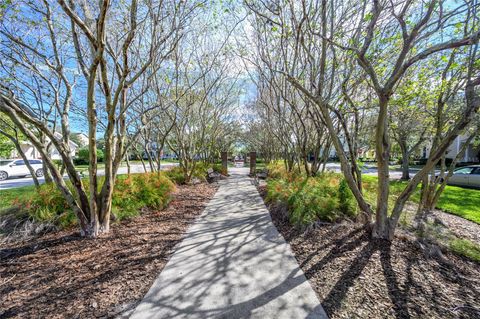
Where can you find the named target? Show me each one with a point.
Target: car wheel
(3, 175)
(39, 172)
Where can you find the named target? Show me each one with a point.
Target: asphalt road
(137, 168)
(370, 170)
(26, 181)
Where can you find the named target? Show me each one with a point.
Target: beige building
(32, 153)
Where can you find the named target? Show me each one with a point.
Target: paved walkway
(232, 264)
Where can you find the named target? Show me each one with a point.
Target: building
(471, 155)
(31, 151)
(80, 138)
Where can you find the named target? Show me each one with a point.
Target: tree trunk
(30, 168)
(382, 228)
(405, 166)
(14, 140)
(128, 165)
(46, 172)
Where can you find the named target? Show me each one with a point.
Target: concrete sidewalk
(232, 264)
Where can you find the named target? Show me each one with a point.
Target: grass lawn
(462, 202)
(458, 201)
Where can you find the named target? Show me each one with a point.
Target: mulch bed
(62, 275)
(355, 277)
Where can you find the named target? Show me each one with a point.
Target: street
(137, 168)
(367, 170)
(26, 181)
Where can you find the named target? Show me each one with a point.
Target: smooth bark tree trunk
(382, 228)
(405, 165)
(14, 140)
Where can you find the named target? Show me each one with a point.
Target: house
(80, 138)
(471, 155)
(31, 152)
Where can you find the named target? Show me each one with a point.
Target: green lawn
(459, 201)
(462, 202)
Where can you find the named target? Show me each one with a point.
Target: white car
(10, 168)
(468, 176)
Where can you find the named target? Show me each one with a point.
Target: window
(20, 162)
(476, 171)
(34, 162)
(464, 170)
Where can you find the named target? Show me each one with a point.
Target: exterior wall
(471, 153)
(29, 150)
(83, 139)
(32, 153)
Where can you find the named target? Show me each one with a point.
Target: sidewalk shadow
(218, 246)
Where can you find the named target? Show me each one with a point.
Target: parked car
(468, 176)
(10, 168)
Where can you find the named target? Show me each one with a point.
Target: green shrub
(308, 204)
(277, 170)
(219, 169)
(200, 171)
(325, 197)
(46, 205)
(130, 194)
(58, 163)
(153, 190)
(176, 175)
(84, 154)
(347, 203)
(136, 191)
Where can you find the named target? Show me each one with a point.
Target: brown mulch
(62, 275)
(355, 277)
(459, 226)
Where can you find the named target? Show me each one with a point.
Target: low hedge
(325, 197)
(130, 195)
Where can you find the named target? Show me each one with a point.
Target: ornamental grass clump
(310, 199)
(130, 195)
(45, 205)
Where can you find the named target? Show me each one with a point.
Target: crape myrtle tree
(276, 113)
(204, 93)
(449, 98)
(150, 120)
(410, 119)
(383, 39)
(284, 111)
(95, 52)
(298, 32)
(257, 136)
(285, 114)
